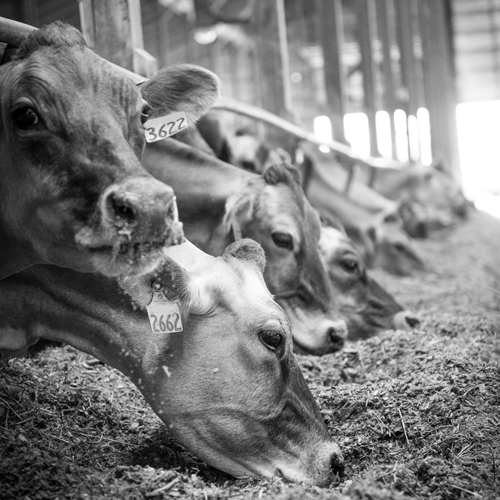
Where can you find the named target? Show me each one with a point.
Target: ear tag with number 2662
(164, 315)
(156, 129)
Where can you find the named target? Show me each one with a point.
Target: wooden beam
(386, 36)
(112, 28)
(272, 77)
(439, 82)
(329, 18)
(408, 91)
(269, 50)
(407, 58)
(366, 23)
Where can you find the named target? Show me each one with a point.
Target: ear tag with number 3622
(165, 126)
(164, 315)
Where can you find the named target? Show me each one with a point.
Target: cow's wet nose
(328, 464)
(337, 333)
(405, 320)
(139, 201)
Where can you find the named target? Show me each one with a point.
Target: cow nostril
(337, 465)
(336, 337)
(120, 209)
(412, 321)
(421, 230)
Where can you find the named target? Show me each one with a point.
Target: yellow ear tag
(164, 315)
(165, 126)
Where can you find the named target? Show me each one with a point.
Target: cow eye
(145, 112)
(400, 247)
(271, 339)
(24, 117)
(283, 240)
(248, 165)
(349, 265)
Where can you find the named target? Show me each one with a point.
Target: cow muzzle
(138, 218)
(324, 467)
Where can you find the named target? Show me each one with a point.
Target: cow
(372, 221)
(428, 198)
(252, 154)
(227, 386)
(366, 306)
(72, 190)
(428, 185)
(423, 197)
(379, 237)
(220, 203)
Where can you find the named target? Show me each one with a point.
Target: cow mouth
(127, 249)
(335, 346)
(126, 255)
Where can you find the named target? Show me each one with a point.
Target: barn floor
(416, 414)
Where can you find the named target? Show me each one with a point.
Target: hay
(417, 414)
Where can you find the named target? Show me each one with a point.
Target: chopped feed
(417, 414)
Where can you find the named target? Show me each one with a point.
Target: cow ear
(239, 210)
(283, 172)
(173, 278)
(248, 251)
(332, 221)
(186, 87)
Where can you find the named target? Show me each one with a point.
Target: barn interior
(367, 85)
(372, 70)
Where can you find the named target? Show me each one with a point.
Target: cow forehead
(228, 283)
(282, 207)
(59, 75)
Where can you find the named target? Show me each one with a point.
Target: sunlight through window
(401, 135)
(384, 141)
(357, 132)
(323, 131)
(478, 126)
(424, 132)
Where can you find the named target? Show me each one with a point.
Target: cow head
(229, 387)
(431, 193)
(383, 244)
(273, 211)
(72, 189)
(394, 251)
(250, 153)
(366, 306)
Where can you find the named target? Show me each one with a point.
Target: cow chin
(120, 254)
(321, 466)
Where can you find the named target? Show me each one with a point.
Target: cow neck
(326, 199)
(13, 256)
(197, 178)
(87, 311)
